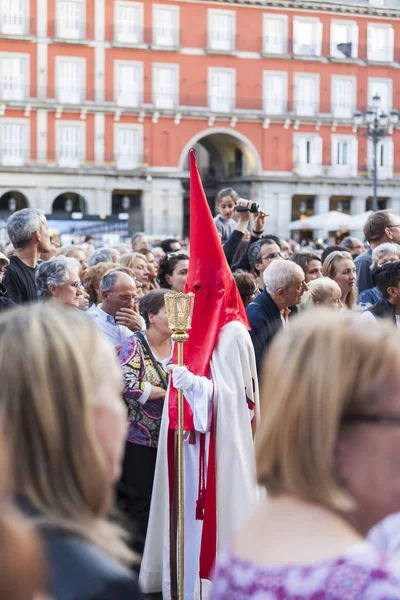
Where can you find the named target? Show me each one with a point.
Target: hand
(182, 378)
(157, 393)
(129, 318)
(259, 221)
(243, 217)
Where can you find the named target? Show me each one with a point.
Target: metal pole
(181, 493)
(375, 194)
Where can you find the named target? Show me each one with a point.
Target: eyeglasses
(76, 284)
(374, 419)
(127, 298)
(392, 226)
(271, 256)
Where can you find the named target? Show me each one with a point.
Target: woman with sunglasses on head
(173, 270)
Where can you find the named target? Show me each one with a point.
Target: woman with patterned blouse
(145, 384)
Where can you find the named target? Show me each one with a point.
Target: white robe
(233, 371)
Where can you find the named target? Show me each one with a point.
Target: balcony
(70, 31)
(222, 43)
(75, 160)
(18, 28)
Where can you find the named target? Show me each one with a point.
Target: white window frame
(26, 83)
(285, 21)
(119, 161)
(66, 162)
(314, 49)
(15, 161)
(388, 80)
(388, 54)
(386, 171)
(315, 107)
(350, 169)
(267, 107)
(82, 91)
(156, 102)
(302, 167)
(210, 72)
(335, 110)
(176, 41)
(334, 52)
(212, 44)
(134, 63)
(121, 39)
(82, 25)
(12, 30)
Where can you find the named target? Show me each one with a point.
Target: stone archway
(13, 200)
(69, 202)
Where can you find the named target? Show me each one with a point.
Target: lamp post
(375, 124)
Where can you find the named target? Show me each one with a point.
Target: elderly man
(267, 314)
(29, 234)
(116, 316)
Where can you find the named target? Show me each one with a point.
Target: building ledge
(317, 6)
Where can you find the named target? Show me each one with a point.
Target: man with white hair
(267, 314)
(28, 231)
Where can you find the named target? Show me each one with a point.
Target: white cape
(234, 375)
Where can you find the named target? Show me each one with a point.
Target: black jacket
(5, 302)
(265, 322)
(77, 569)
(383, 310)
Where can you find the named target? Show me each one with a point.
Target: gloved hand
(182, 378)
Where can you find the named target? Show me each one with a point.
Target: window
(70, 80)
(344, 39)
(14, 77)
(306, 94)
(384, 158)
(70, 23)
(221, 30)
(383, 89)
(275, 92)
(128, 146)
(221, 89)
(165, 86)
(275, 35)
(165, 26)
(70, 143)
(343, 96)
(128, 19)
(128, 83)
(307, 36)
(14, 17)
(14, 142)
(380, 45)
(344, 155)
(307, 150)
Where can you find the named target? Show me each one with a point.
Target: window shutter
(370, 42)
(165, 27)
(128, 84)
(274, 93)
(14, 149)
(221, 31)
(354, 157)
(128, 23)
(13, 19)
(389, 147)
(275, 41)
(370, 156)
(69, 145)
(318, 39)
(127, 149)
(334, 41)
(390, 44)
(354, 40)
(296, 37)
(166, 87)
(221, 92)
(317, 151)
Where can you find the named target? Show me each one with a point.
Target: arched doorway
(12, 201)
(69, 202)
(225, 158)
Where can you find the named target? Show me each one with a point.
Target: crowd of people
(87, 370)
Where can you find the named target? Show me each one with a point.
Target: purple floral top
(361, 573)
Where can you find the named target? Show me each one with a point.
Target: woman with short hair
(64, 423)
(340, 267)
(173, 271)
(58, 281)
(326, 453)
(310, 263)
(321, 292)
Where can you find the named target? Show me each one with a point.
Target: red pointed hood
(217, 300)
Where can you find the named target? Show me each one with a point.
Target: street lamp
(374, 124)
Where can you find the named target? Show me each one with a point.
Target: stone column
(357, 206)
(162, 205)
(268, 202)
(284, 214)
(393, 204)
(321, 206)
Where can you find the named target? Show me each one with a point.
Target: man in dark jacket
(267, 314)
(387, 279)
(4, 301)
(380, 227)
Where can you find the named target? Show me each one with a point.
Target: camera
(254, 208)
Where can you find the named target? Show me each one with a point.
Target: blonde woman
(138, 263)
(321, 292)
(340, 267)
(64, 421)
(326, 453)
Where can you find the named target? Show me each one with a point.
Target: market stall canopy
(330, 221)
(358, 221)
